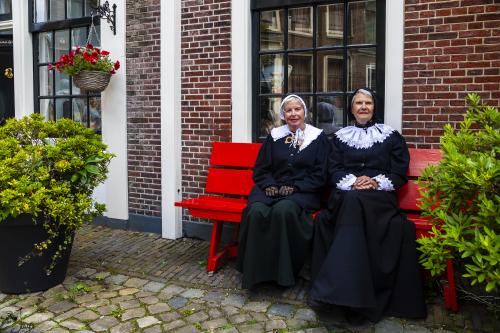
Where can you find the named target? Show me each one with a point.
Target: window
(320, 50)
(5, 10)
(57, 27)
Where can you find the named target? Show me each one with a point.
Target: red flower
(104, 53)
(117, 65)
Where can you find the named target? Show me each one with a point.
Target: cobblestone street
(123, 281)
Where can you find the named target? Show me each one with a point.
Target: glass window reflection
(362, 15)
(271, 30)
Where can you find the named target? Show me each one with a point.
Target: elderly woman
(364, 256)
(276, 227)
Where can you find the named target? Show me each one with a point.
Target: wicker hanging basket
(93, 81)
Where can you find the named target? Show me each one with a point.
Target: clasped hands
(283, 190)
(364, 183)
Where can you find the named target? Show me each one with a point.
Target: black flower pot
(17, 237)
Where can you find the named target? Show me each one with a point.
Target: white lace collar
(362, 138)
(310, 134)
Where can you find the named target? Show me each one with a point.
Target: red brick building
(198, 71)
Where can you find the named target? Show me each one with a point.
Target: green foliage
(461, 195)
(49, 170)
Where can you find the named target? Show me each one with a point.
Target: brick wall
(206, 86)
(143, 106)
(451, 48)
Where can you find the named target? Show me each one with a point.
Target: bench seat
(215, 207)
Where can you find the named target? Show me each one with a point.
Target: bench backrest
(231, 167)
(408, 195)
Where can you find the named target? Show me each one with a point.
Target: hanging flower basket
(93, 81)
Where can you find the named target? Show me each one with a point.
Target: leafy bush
(461, 195)
(49, 170)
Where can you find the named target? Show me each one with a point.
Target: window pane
(78, 36)
(361, 68)
(269, 114)
(61, 41)
(5, 7)
(271, 73)
(47, 109)
(80, 110)
(300, 78)
(362, 16)
(330, 71)
(95, 113)
(45, 47)
(62, 84)
(45, 81)
(310, 110)
(271, 30)
(63, 108)
(56, 10)
(330, 111)
(300, 28)
(41, 10)
(75, 8)
(89, 6)
(75, 89)
(95, 37)
(330, 25)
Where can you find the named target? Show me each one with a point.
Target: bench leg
(449, 291)
(215, 256)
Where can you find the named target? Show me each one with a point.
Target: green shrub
(49, 170)
(461, 194)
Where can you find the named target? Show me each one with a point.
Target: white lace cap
(286, 100)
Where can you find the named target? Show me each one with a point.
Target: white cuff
(346, 182)
(384, 183)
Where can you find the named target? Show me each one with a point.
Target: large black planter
(17, 236)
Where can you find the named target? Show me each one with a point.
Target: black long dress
(364, 255)
(276, 233)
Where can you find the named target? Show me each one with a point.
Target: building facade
(198, 71)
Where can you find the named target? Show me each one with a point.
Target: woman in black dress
(364, 256)
(276, 227)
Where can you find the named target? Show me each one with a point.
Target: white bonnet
(286, 100)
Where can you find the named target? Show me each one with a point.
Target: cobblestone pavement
(121, 281)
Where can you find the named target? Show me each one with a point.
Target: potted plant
(90, 67)
(48, 171)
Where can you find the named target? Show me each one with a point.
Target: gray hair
(288, 99)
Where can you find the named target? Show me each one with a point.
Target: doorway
(6, 78)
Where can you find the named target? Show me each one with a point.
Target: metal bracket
(104, 11)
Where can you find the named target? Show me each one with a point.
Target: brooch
(288, 139)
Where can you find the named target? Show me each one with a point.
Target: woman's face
(294, 115)
(362, 108)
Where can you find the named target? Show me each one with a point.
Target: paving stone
(147, 321)
(282, 310)
(296, 323)
(215, 313)
(119, 299)
(187, 329)
(127, 327)
(130, 304)
(2, 296)
(416, 329)
(88, 315)
(135, 283)
(80, 299)
(45, 326)
(149, 300)
(197, 317)
(86, 272)
(172, 289)
(388, 326)
(177, 302)
(169, 316)
(154, 329)
(62, 306)
(108, 294)
(158, 307)
(128, 291)
(143, 294)
(100, 276)
(58, 330)
(28, 301)
(234, 300)
(276, 324)
(259, 316)
(228, 330)
(107, 309)
(306, 314)
(193, 293)
(9, 310)
(96, 303)
(38, 317)
(104, 323)
(173, 325)
(214, 296)
(251, 328)
(133, 313)
(211, 325)
(257, 306)
(68, 314)
(230, 310)
(240, 318)
(72, 324)
(154, 286)
(116, 279)
(318, 330)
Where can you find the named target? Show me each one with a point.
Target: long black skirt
(365, 257)
(274, 243)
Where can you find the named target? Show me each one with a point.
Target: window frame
(264, 5)
(35, 28)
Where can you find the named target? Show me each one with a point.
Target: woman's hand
(271, 191)
(364, 183)
(286, 190)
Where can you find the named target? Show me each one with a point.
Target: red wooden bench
(409, 196)
(229, 182)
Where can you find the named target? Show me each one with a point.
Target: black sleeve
(336, 169)
(315, 178)
(262, 172)
(400, 159)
